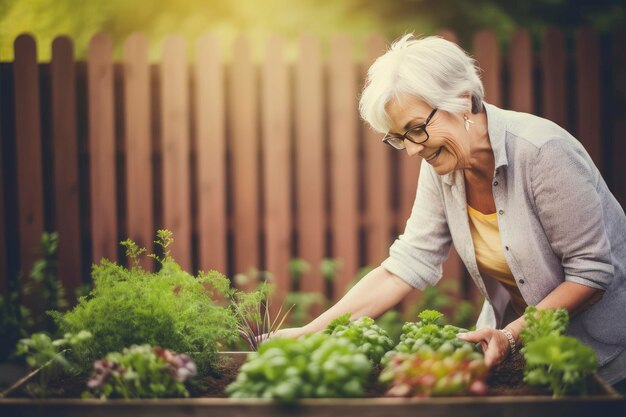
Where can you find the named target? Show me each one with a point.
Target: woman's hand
(290, 333)
(494, 343)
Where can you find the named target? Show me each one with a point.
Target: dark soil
(508, 379)
(505, 379)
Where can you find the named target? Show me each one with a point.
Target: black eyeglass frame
(404, 137)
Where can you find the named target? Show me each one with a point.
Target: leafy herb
(436, 373)
(541, 323)
(169, 308)
(48, 358)
(561, 362)
(427, 335)
(141, 372)
(370, 339)
(316, 365)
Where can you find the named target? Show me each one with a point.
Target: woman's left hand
(494, 343)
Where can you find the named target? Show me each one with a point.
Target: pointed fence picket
(250, 163)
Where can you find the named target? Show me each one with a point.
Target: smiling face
(448, 146)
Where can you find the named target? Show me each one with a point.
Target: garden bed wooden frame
(604, 402)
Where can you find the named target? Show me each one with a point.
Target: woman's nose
(412, 148)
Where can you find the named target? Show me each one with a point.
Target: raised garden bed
(508, 396)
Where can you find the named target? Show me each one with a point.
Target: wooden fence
(251, 164)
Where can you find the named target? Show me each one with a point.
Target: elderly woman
(520, 198)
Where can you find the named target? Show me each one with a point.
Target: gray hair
(431, 68)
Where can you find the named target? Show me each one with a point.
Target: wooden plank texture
(102, 186)
(276, 154)
(176, 148)
(28, 146)
(211, 151)
(309, 161)
(553, 67)
(588, 106)
(244, 142)
(65, 151)
(377, 172)
(487, 53)
(343, 151)
(138, 144)
(521, 65)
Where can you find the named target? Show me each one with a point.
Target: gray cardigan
(558, 222)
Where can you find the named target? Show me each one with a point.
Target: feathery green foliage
(169, 308)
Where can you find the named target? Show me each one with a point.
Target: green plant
(169, 308)
(436, 373)
(428, 335)
(370, 339)
(392, 322)
(141, 372)
(316, 365)
(560, 362)
(541, 323)
(44, 275)
(48, 358)
(253, 316)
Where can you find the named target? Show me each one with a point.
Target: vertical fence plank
(343, 151)
(243, 125)
(138, 144)
(487, 53)
(617, 119)
(4, 264)
(102, 188)
(377, 173)
(65, 151)
(588, 129)
(309, 161)
(176, 148)
(28, 146)
(211, 146)
(521, 67)
(553, 68)
(276, 153)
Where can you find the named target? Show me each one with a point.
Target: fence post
(553, 69)
(521, 68)
(276, 153)
(138, 144)
(102, 190)
(211, 153)
(309, 162)
(65, 151)
(343, 159)
(244, 148)
(588, 129)
(28, 146)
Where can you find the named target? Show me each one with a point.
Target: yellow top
(489, 255)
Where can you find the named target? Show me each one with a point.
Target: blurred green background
(80, 19)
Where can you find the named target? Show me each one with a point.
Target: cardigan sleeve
(416, 256)
(564, 183)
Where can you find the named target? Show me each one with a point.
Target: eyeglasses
(416, 134)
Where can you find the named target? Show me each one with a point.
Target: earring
(467, 122)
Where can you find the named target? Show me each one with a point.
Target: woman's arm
(374, 294)
(569, 295)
